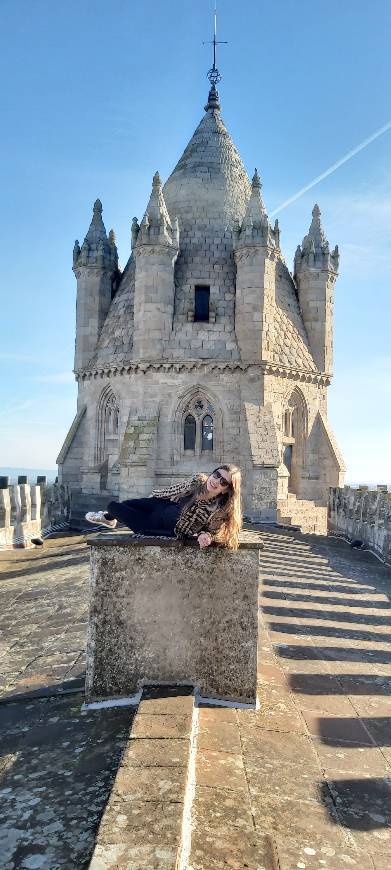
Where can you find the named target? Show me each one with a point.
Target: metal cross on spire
(213, 74)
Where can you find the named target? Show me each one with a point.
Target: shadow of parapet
(356, 589)
(319, 599)
(362, 804)
(54, 690)
(59, 766)
(353, 731)
(329, 631)
(346, 684)
(333, 615)
(50, 565)
(334, 654)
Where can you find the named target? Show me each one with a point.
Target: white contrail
(332, 168)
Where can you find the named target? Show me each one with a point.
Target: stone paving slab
(159, 745)
(302, 782)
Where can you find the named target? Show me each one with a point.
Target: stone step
(307, 515)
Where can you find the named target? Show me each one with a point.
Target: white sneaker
(98, 519)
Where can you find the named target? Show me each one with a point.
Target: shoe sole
(100, 523)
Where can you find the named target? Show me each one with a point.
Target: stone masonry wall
(363, 514)
(152, 404)
(25, 510)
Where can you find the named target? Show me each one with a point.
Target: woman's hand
(204, 539)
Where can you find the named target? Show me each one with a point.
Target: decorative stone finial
(76, 251)
(156, 226)
(97, 249)
(134, 231)
(213, 104)
(98, 208)
(256, 182)
(156, 181)
(255, 228)
(314, 251)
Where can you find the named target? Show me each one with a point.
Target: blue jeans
(146, 515)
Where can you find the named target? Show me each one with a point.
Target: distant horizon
(14, 471)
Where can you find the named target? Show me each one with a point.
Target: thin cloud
(334, 167)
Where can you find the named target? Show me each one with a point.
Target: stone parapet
(25, 510)
(166, 612)
(363, 514)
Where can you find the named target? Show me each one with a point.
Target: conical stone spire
(97, 231)
(314, 250)
(208, 190)
(255, 228)
(315, 238)
(97, 249)
(156, 225)
(255, 212)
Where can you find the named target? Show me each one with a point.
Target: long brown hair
(228, 533)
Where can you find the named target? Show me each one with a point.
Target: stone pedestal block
(164, 612)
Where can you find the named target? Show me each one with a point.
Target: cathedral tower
(205, 350)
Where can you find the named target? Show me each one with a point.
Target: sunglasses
(222, 480)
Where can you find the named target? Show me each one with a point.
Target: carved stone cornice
(248, 252)
(141, 367)
(149, 250)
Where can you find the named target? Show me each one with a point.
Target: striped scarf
(196, 516)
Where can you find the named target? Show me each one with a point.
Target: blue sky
(96, 96)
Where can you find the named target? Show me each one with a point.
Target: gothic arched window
(207, 433)
(189, 441)
(197, 427)
(107, 424)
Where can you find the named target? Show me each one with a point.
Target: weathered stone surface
(310, 853)
(164, 612)
(150, 783)
(156, 753)
(219, 851)
(216, 715)
(140, 823)
(220, 769)
(173, 703)
(221, 736)
(347, 757)
(161, 726)
(125, 857)
(219, 810)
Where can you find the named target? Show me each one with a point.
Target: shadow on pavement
(362, 804)
(56, 772)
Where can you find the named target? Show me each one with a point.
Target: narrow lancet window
(189, 432)
(207, 433)
(201, 304)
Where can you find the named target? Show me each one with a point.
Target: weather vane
(213, 74)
